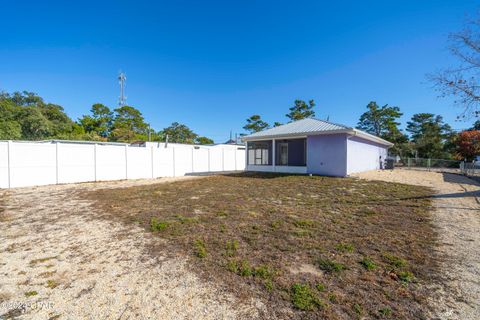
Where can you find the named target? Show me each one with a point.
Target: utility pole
(122, 78)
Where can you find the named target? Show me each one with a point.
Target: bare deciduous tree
(462, 81)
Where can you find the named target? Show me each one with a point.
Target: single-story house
(313, 146)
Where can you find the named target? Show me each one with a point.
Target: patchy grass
(255, 229)
(200, 249)
(330, 266)
(52, 284)
(368, 263)
(41, 260)
(30, 293)
(304, 298)
(156, 225)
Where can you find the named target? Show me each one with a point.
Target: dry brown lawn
(309, 246)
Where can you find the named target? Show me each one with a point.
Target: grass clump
(231, 248)
(320, 287)
(200, 248)
(157, 225)
(245, 269)
(368, 263)
(394, 261)
(406, 276)
(330, 266)
(303, 298)
(358, 309)
(263, 271)
(344, 247)
(386, 311)
(232, 266)
(332, 298)
(304, 223)
(184, 220)
(52, 284)
(31, 293)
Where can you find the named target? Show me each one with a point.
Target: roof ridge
(334, 123)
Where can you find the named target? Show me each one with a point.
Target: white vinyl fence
(41, 163)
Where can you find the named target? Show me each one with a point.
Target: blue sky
(212, 64)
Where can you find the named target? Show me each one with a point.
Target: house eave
(351, 132)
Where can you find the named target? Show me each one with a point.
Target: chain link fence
(470, 169)
(442, 165)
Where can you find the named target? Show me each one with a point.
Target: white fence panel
(111, 162)
(200, 160)
(41, 163)
(32, 164)
(229, 159)
(76, 163)
(139, 162)
(216, 159)
(163, 162)
(4, 165)
(183, 161)
(240, 155)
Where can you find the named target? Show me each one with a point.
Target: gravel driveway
(457, 217)
(58, 260)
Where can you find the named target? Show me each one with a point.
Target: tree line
(428, 136)
(26, 116)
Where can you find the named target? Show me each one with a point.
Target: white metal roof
(311, 126)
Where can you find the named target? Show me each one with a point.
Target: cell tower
(122, 78)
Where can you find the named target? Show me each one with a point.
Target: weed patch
(156, 225)
(303, 298)
(344, 247)
(330, 266)
(200, 248)
(368, 263)
(31, 293)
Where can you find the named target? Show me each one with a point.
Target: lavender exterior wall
(327, 155)
(364, 155)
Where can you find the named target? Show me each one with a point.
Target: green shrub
(157, 225)
(330, 265)
(200, 249)
(368, 263)
(303, 297)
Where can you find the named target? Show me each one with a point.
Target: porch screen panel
(259, 153)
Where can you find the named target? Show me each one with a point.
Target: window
(259, 152)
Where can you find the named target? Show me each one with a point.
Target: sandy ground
(76, 266)
(457, 217)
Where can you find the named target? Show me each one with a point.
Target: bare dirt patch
(59, 259)
(457, 219)
(370, 242)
